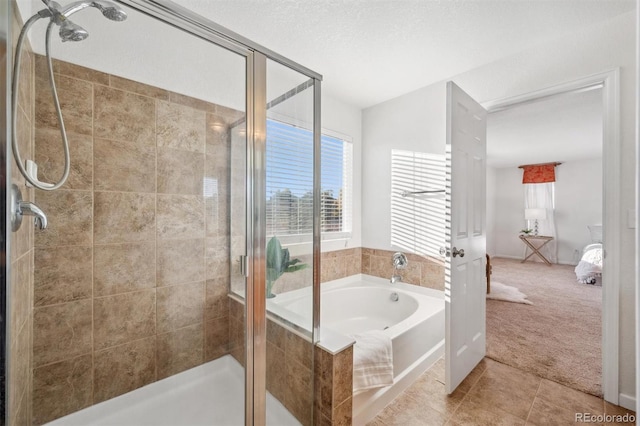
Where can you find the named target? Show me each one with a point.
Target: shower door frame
(255, 305)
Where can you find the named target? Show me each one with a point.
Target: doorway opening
(604, 88)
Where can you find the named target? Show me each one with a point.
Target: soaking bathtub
(359, 303)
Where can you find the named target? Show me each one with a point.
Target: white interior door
(465, 251)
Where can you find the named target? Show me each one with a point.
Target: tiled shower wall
(132, 275)
(21, 256)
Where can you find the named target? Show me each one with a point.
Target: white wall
(346, 119)
(578, 196)
(578, 204)
(508, 217)
(415, 122)
(491, 209)
(600, 48)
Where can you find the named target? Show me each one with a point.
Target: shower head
(72, 32)
(109, 9)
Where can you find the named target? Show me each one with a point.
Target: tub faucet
(399, 262)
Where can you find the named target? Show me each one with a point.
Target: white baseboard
(627, 401)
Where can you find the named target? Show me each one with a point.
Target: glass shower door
(290, 211)
(125, 298)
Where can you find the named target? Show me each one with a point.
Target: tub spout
(395, 279)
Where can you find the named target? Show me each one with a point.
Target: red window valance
(539, 173)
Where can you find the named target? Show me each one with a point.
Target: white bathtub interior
(210, 394)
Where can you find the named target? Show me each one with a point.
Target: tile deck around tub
(493, 394)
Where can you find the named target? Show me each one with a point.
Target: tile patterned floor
(493, 394)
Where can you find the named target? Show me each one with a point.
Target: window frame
(306, 238)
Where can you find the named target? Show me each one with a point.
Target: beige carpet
(559, 336)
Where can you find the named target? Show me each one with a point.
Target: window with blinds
(417, 219)
(290, 182)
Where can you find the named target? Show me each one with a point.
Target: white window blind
(417, 220)
(290, 181)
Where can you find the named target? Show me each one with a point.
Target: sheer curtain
(540, 196)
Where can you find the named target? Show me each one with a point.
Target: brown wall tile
(180, 172)
(216, 338)
(139, 88)
(299, 391)
(24, 133)
(81, 73)
(180, 127)
(98, 295)
(298, 349)
(75, 101)
(20, 291)
(276, 372)
(123, 368)
(217, 258)
(179, 350)
(26, 89)
(124, 165)
(124, 217)
(180, 216)
(61, 332)
(20, 367)
(180, 261)
(124, 116)
(179, 306)
(343, 376)
(119, 268)
(62, 388)
(62, 275)
(70, 215)
(123, 318)
(190, 102)
(49, 156)
(216, 299)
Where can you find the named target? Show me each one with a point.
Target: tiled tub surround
(20, 257)
(422, 271)
(131, 277)
(290, 366)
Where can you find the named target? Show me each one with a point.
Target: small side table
(529, 239)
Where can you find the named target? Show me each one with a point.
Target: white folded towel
(372, 361)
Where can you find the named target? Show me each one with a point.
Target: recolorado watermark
(605, 418)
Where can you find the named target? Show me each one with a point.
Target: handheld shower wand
(69, 31)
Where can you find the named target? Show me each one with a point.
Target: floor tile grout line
(466, 395)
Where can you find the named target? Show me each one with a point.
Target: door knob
(446, 252)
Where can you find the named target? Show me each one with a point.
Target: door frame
(609, 81)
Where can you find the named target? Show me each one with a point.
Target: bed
(589, 268)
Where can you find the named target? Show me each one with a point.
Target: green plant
(279, 262)
(526, 231)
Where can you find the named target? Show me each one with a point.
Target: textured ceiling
(372, 50)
